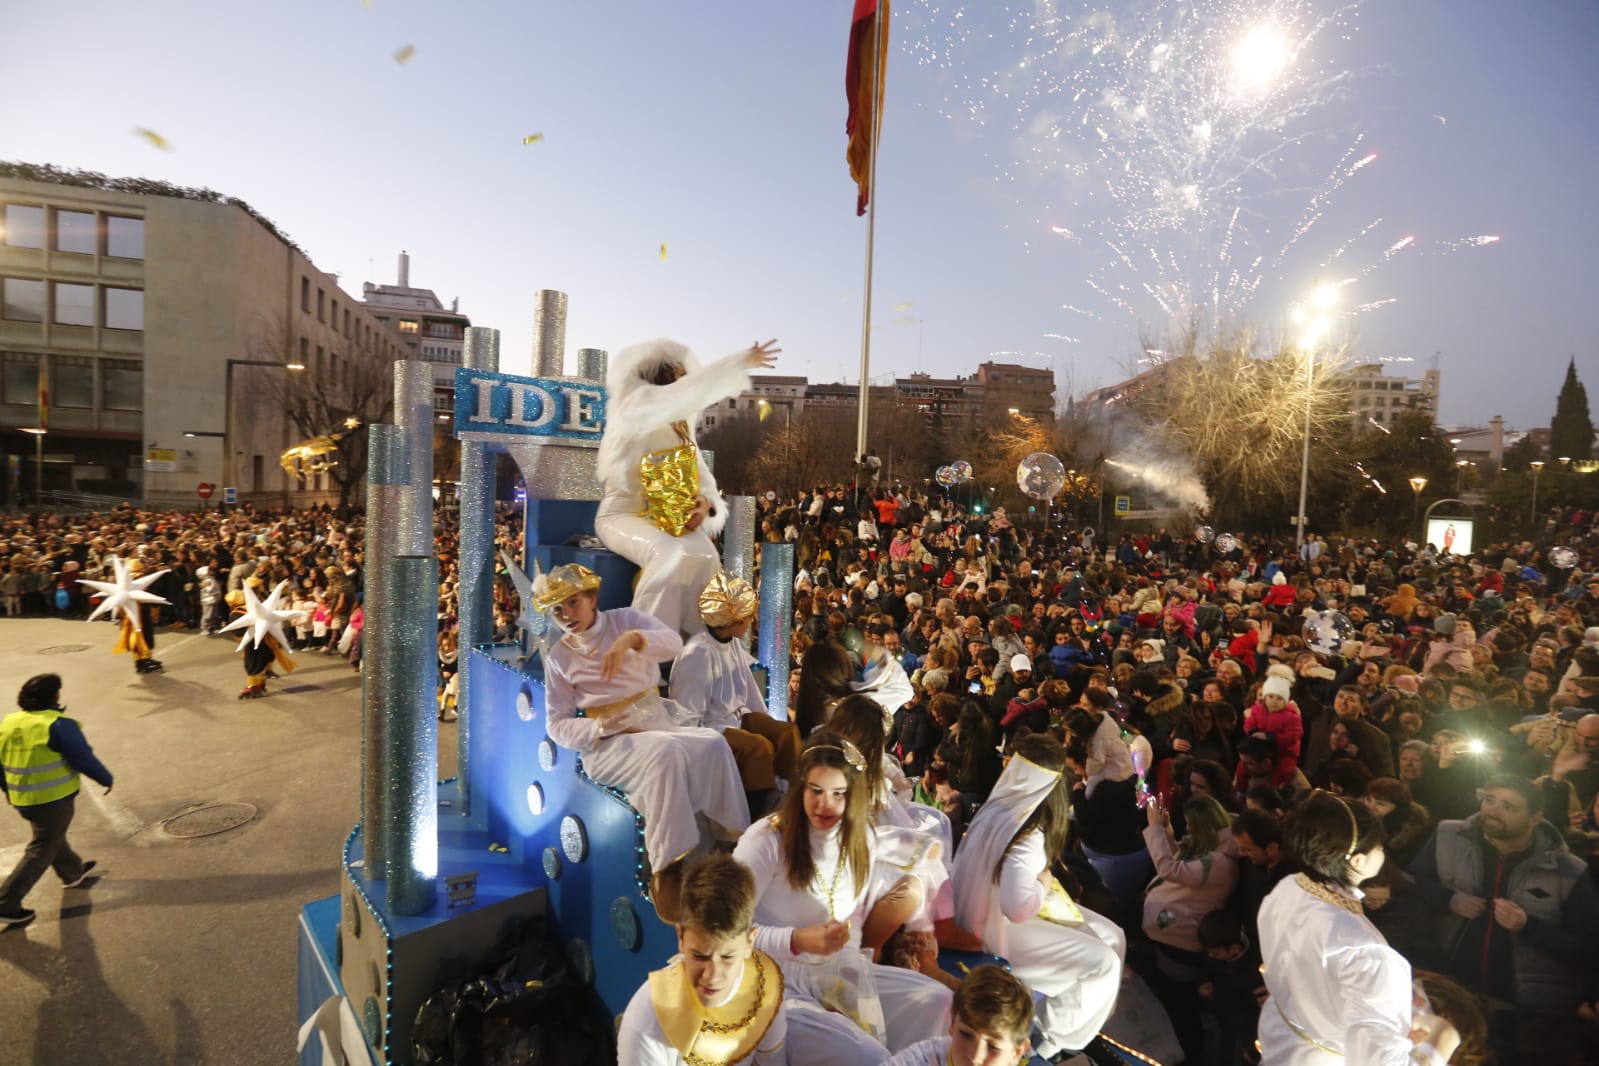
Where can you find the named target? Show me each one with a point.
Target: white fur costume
(639, 421)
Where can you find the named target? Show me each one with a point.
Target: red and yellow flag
(863, 80)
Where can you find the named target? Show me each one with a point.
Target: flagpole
(871, 230)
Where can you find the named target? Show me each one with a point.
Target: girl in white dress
(1339, 993)
(815, 894)
(1005, 893)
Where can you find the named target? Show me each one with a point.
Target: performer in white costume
(823, 841)
(661, 506)
(1005, 893)
(993, 1021)
(718, 1000)
(712, 678)
(606, 666)
(1339, 993)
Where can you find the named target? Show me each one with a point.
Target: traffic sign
(1124, 504)
(204, 490)
(230, 494)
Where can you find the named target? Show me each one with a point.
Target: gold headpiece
(562, 583)
(727, 600)
(851, 753)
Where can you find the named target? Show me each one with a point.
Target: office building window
(75, 232)
(71, 381)
(19, 378)
(121, 385)
(333, 316)
(124, 237)
(74, 304)
(24, 226)
(407, 326)
(23, 299)
(124, 308)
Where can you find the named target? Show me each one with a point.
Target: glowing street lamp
(1417, 483)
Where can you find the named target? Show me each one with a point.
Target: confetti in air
(403, 56)
(905, 305)
(533, 138)
(663, 251)
(154, 138)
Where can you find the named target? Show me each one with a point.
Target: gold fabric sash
(606, 710)
(1058, 905)
(716, 1036)
(671, 479)
(131, 639)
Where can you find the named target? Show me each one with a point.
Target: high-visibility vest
(35, 774)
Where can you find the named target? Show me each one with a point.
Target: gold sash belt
(605, 710)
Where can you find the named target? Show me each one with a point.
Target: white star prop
(534, 622)
(123, 594)
(262, 617)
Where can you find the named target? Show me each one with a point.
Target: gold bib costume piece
(1059, 907)
(717, 1036)
(671, 480)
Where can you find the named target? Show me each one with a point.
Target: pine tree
(1571, 430)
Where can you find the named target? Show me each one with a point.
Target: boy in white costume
(712, 677)
(606, 665)
(1339, 993)
(719, 1000)
(993, 1017)
(660, 506)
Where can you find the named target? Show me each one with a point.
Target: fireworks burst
(1165, 132)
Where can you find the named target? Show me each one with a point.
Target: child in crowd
(1232, 991)
(1276, 717)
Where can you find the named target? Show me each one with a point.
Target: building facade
(1377, 398)
(424, 327)
(161, 324)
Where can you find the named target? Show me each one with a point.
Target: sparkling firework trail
(1166, 132)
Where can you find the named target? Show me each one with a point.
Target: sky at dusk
(718, 129)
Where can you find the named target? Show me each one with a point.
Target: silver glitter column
(411, 662)
(738, 541)
(777, 620)
(549, 333)
(388, 472)
(477, 558)
(413, 413)
(591, 364)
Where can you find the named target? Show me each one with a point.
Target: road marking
(124, 821)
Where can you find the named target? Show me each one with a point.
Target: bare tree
(330, 403)
(816, 446)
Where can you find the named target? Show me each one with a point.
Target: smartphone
(975, 687)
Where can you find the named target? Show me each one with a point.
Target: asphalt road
(185, 951)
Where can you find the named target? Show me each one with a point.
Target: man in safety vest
(42, 752)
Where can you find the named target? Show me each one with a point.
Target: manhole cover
(209, 820)
(64, 649)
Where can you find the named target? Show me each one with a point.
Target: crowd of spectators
(1455, 697)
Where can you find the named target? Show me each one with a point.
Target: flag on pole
(862, 74)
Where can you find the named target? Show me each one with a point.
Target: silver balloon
(1225, 543)
(963, 470)
(945, 476)
(1204, 534)
(1041, 476)
(1326, 631)
(1562, 557)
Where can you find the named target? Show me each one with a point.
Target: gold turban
(562, 583)
(727, 600)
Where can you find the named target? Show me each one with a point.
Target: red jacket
(1285, 728)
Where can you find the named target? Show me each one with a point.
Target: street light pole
(1322, 299)
(1537, 468)
(228, 472)
(1416, 485)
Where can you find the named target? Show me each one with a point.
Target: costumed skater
(661, 506)
(719, 1000)
(816, 901)
(126, 594)
(993, 1019)
(264, 643)
(1006, 893)
(600, 695)
(712, 678)
(1339, 993)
